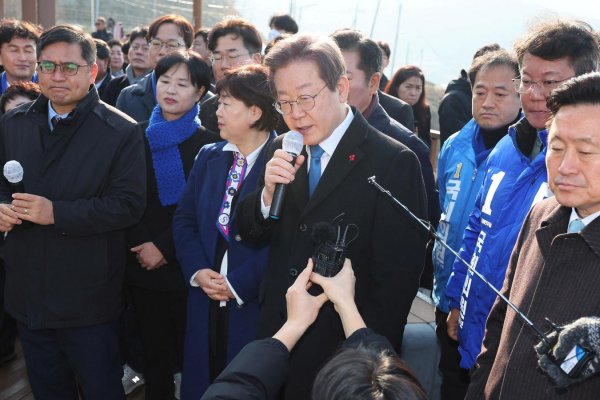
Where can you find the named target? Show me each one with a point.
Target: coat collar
(556, 223)
(347, 155)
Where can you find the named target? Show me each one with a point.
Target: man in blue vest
(495, 105)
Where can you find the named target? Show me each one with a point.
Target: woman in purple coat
(222, 271)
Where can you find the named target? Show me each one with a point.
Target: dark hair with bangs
(250, 85)
(186, 30)
(497, 58)
(574, 40)
(23, 88)
(70, 34)
(584, 89)
(197, 68)
(238, 27)
(13, 28)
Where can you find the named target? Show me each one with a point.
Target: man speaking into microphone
(329, 178)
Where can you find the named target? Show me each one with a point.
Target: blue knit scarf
(164, 137)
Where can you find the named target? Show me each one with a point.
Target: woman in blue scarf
(222, 270)
(173, 138)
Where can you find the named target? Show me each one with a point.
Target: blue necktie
(575, 226)
(314, 174)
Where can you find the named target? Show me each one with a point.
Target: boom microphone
(293, 142)
(567, 354)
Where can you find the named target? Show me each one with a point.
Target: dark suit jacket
(387, 257)
(397, 109)
(113, 89)
(138, 100)
(102, 88)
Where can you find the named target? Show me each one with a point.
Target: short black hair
(198, 69)
(12, 28)
(553, 40)
(102, 49)
(385, 47)
(114, 42)
(185, 28)
(583, 89)
(369, 52)
(72, 35)
(487, 48)
(238, 27)
(366, 373)
(493, 59)
(23, 88)
(138, 31)
(250, 85)
(284, 22)
(202, 32)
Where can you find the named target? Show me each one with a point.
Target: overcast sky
(438, 35)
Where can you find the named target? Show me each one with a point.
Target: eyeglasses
(68, 69)
(170, 44)
(526, 85)
(218, 57)
(305, 102)
(136, 47)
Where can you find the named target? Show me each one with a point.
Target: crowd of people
(141, 244)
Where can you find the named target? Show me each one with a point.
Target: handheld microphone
(564, 360)
(293, 142)
(13, 172)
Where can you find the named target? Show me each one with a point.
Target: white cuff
(263, 208)
(237, 298)
(193, 281)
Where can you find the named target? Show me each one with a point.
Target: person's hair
(385, 47)
(12, 28)
(22, 88)
(583, 89)
(322, 51)
(365, 373)
(402, 74)
(101, 19)
(114, 42)
(574, 40)
(125, 48)
(72, 35)
(250, 85)
(238, 27)
(369, 52)
(274, 41)
(198, 70)
(284, 22)
(186, 30)
(498, 58)
(488, 48)
(138, 31)
(202, 32)
(102, 49)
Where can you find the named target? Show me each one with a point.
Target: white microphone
(13, 172)
(293, 142)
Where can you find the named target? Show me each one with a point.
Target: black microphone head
(293, 142)
(323, 232)
(13, 171)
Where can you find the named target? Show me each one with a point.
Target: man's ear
(374, 82)
(343, 88)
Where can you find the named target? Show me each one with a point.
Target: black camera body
(328, 259)
(331, 246)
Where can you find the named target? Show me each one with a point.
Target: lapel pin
(352, 157)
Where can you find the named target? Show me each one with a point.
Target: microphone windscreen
(13, 171)
(293, 142)
(323, 232)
